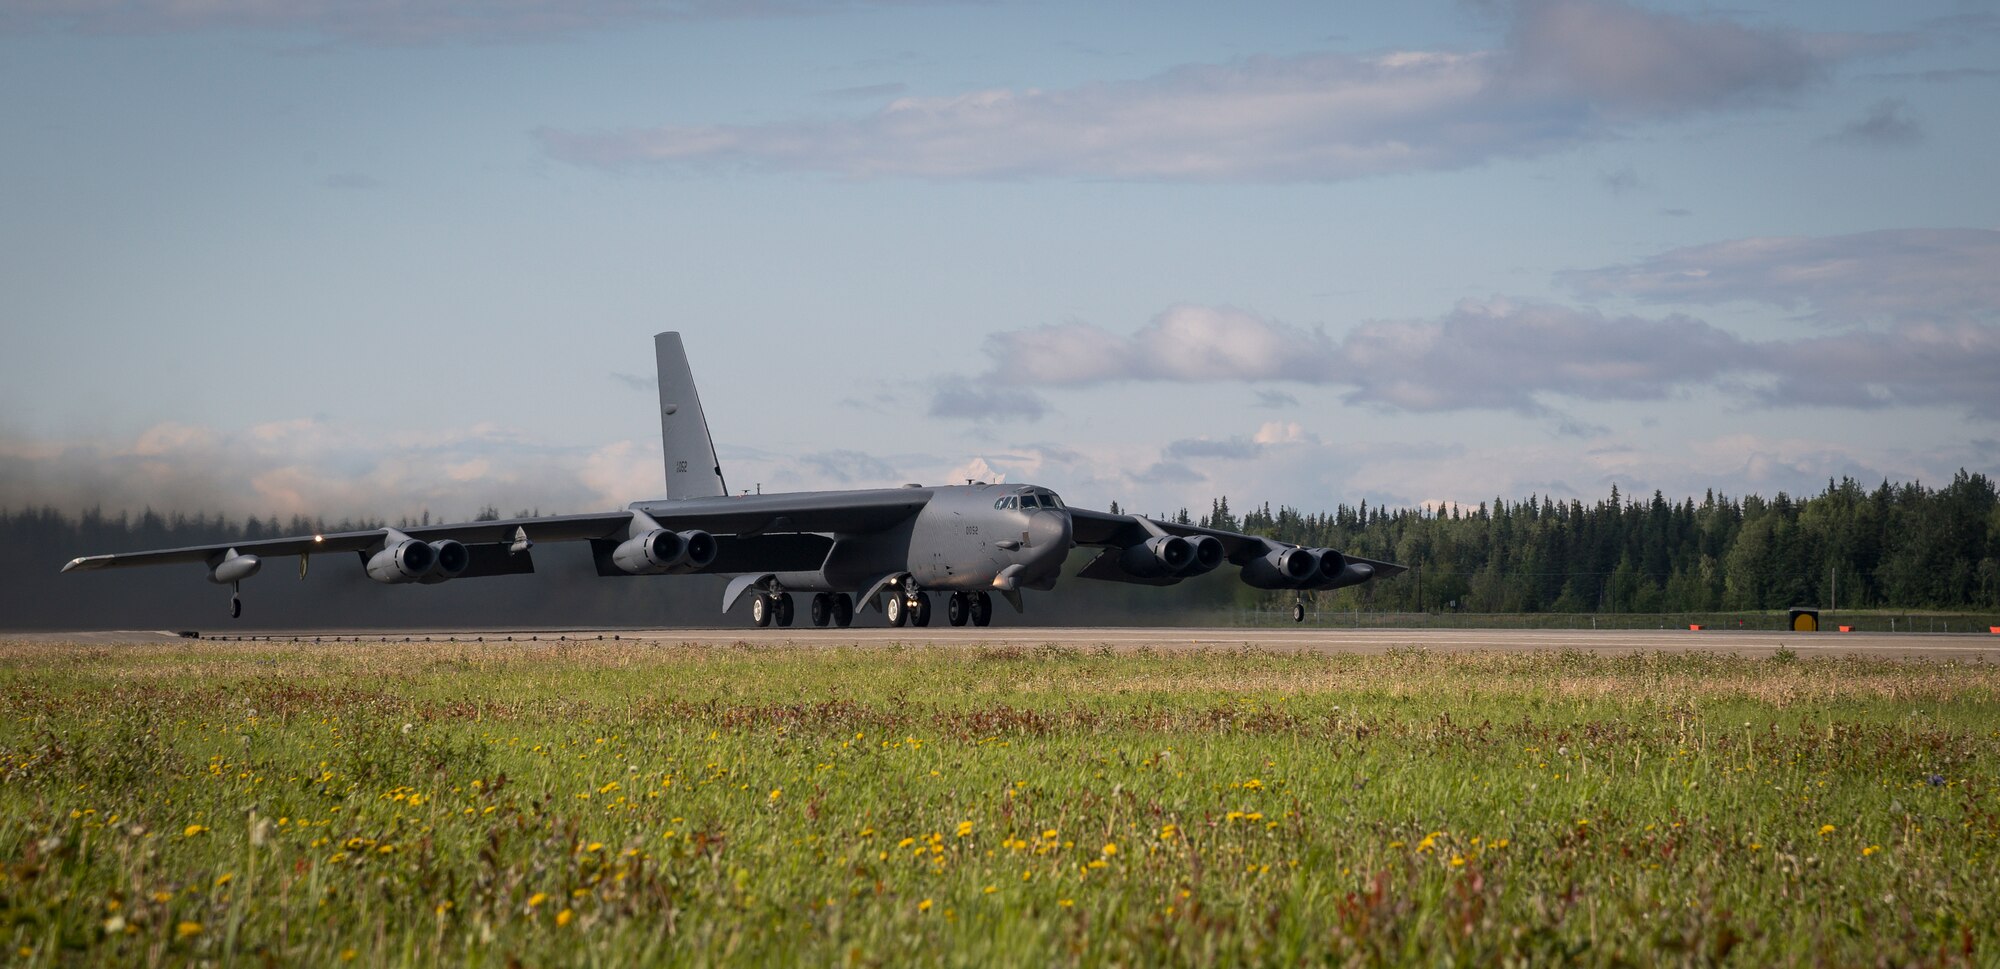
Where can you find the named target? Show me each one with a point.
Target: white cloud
(1185, 343)
(1569, 71)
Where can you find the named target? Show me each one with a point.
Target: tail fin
(692, 468)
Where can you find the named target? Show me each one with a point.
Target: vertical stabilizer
(692, 469)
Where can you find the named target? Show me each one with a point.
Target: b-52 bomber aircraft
(890, 548)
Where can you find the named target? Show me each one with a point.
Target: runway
(1967, 647)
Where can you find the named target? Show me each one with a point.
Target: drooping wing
(736, 520)
(557, 528)
(1114, 532)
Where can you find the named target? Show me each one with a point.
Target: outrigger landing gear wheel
(894, 608)
(1298, 612)
(760, 610)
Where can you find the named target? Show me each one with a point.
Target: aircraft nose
(1050, 528)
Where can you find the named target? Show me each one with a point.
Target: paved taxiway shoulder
(1965, 647)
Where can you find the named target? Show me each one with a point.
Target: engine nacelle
(448, 561)
(1351, 573)
(1157, 557)
(1286, 568)
(660, 551)
(234, 568)
(1331, 563)
(405, 561)
(649, 553)
(1207, 556)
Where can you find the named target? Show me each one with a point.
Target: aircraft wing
(739, 517)
(1103, 529)
(558, 528)
(1115, 532)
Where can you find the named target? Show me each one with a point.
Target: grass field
(611, 803)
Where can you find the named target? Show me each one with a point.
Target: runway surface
(1980, 647)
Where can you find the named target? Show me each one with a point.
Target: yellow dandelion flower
(990, 889)
(163, 897)
(563, 917)
(537, 899)
(964, 829)
(186, 929)
(594, 847)
(1110, 849)
(1871, 849)
(224, 879)
(347, 955)
(777, 792)
(1458, 861)
(1066, 902)
(924, 906)
(192, 830)
(1826, 829)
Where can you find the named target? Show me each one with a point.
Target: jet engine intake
(1157, 557)
(405, 561)
(1286, 568)
(450, 560)
(1207, 555)
(650, 553)
(701, 550)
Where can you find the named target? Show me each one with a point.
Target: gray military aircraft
(889, 548)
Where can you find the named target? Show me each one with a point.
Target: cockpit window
(1049, 500)
(1028, 501)
(1000, 502)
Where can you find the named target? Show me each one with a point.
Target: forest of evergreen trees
(1899, 546)
(1904, 546)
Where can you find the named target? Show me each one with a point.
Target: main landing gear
(907, 608)
(765, 608)
(1299, 611)
(837, 608)
(977, 607)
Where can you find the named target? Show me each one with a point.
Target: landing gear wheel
(821, 610)
(783, 608)
(920, 609)
(760, 610)
(894, 608)
(956, 609)
(843, 610)
(1298, 612)
(982, 609)
(235, 607)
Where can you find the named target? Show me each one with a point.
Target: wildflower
(1826, 829)
(594, 847)
(186, 929)
(535, 900)
(990, 889)
(348, 954)
(1066, 902)
(924, 906)
(224, 879)
(193, 830)
(1458, 861)
(1167, 832)
(163, 897)
(777, 792)
(563, 917)
(1871, 849)
(1110, 849)
(964, 829)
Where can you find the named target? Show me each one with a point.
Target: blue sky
(311, 256)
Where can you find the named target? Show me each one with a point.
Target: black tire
(920, 610)
(821, 610)
(235, 607)
(1298, 612)
(843, 610)
(760, 610)
(982, 609)
(957, 610)
(894, 609)
(783, 608)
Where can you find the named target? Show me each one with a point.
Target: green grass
(614, 803)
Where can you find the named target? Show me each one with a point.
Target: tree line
(1906, 546)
